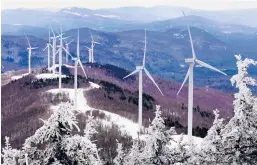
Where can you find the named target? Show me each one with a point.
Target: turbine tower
(140, 70)
(60, 48)
(48, 45)
(89, 54)
(54, 48)
(29, 51)
(68, 49)
(189, 76)
(92, 48)
(77, 61)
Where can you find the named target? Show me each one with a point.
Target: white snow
(19, 76)
(94, 85)
(48, 76)
(196, 140)
(107, 16)
(124, 124)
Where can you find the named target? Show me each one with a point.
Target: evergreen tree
(240, 134)
(46, 144)
(9, 155)
(119, 159)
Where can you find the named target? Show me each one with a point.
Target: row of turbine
(54, 47)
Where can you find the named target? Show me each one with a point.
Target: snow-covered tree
(236, 141)
(156, 149)
(119, 159)
(134, 156)
(50, 135)
(240, 134)
(54, 142)
(81, 149)
(211, 149)
(9, 154)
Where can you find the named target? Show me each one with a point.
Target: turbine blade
(190, 36)
(52, 30)
(187, 75)
(28, 41)
(97, 42)
(70, 42)
(135, 71)
(144, 50)
(91, 36)
(66, 51)
(45, 48)
(49, 39)
(88, 48)
(209, 66)
(78, 45)
(80, 63)
(34, 48)
(151, 78)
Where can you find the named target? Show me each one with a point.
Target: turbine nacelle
(139, 67)
(190, 60)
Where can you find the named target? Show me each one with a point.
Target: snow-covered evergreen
(236, 141)
(60, 145)
(9, 155)
(240, 134)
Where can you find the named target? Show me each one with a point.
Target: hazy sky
(95, 4)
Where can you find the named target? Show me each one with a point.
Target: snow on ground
(94, 85)
(107, 16)
(48, 76)
(19, 76)
(196, 140)
(124, 124)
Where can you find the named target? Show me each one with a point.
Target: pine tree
(240, 134)
(210, 151)
(119, 159)
(134, 156)
(156, 148)
(9, 155)
(57, 128)
(81, 149)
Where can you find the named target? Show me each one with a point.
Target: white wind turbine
(54, 48)
(60, 48)
(48, 45)
(29, 50)
(189, 75)
(89, 54)
(68, 49)
(140, 69)
(92, 48)
(77, 61)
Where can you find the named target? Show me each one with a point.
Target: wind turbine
(54, 48)
(48, 45)
(29, 50)
(89, 54)
(60, 48)
(92, 48)
(77, 61)
(68, 49)
(140, 70)
(189, 75)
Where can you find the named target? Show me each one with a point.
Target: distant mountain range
(118, 19)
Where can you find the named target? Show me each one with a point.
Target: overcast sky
(96, 4)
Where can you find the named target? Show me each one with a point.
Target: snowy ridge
(107, 16)
(125, 125)
(19, 76)
(49, 76)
